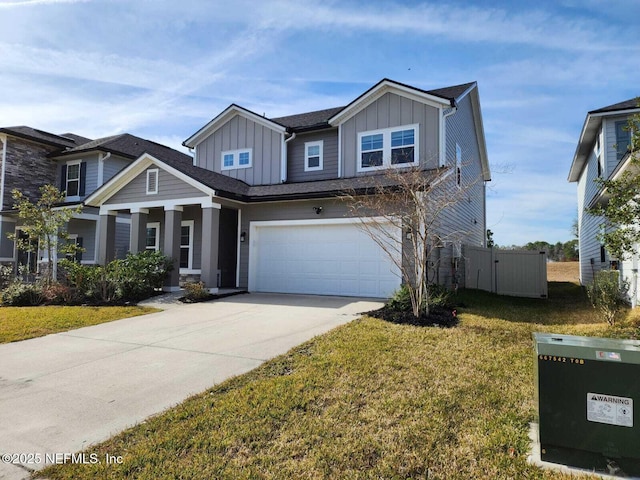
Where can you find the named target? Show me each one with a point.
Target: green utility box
(589, 402)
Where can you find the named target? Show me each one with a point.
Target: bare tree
(414, 202)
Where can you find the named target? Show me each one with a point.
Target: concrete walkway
(63, 392)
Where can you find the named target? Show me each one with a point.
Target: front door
(228, 247)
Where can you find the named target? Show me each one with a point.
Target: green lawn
(367, 400)
(21, 323)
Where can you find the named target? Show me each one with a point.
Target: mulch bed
(438, 317)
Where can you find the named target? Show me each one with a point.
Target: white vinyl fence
(519, 273)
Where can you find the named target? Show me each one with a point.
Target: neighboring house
(602, 152)
(76, 165)
(26, 165)
(261, 205)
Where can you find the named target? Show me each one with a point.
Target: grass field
(563, 272)
(367, 400)
(21, 323)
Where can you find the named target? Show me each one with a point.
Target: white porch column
(210, 230)
(137, 242)
(107, 244)
(172, 226)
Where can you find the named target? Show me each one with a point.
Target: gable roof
(68, 140)
(228, 113)
(321, 119)
(441, 97)
(590, 130)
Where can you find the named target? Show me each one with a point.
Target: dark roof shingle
(626, 105)
(33, 134)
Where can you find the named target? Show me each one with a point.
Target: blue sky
(161, 69)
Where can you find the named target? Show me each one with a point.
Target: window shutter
(83, 178)
(63, 180)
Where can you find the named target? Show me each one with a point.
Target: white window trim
(458, 165)
(386, 148)
(190, 224)
(319, 143)
(66, 180)
(236, 158)
(157, 173)
(155, 225)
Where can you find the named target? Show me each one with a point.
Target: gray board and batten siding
(296, 156)
(241, 133)
(392, 110)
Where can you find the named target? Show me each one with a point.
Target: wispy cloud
(33, 3)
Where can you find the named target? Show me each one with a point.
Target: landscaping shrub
(6, 275)
(59, 294)
(131, 279)
(19, 294)
(439, 296)
(195, 292)
(138, 275)
(608, 294)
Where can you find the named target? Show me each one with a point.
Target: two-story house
(260, 206)
(602, 152)
(77, 165)
(26, 164)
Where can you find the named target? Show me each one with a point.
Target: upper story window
(236, 159)
(389, 147)
(74, 178)
(313, 156)
(623, 139)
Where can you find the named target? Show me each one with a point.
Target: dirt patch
(563, 272)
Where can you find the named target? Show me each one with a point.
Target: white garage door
(323, 259)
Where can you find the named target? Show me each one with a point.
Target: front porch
(200, 236)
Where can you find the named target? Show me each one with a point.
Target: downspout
(101, 168)
(3, 139)
(443, 133)
(192, 152)
(283, 159)
(340, 150)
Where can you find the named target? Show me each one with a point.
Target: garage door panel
(326, 259)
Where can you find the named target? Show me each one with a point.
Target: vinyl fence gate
(519, 273)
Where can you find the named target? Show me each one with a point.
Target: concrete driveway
(63, 392)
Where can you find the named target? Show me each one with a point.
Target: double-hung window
(236, 159)
(186, 244)
(313, 153)
(73, 179)
(623, 139)
(389, 147)
(403, 146)
(153, 236)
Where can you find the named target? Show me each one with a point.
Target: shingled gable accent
(231, 111)
(385, 86)
(109, 189)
